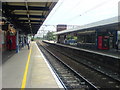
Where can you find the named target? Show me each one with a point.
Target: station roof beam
(24, 8)
(27, 15)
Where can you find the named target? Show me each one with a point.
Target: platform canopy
(27, 16)
(111, 24)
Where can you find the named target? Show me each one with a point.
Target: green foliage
(38, 38)
(71, 37)
(50, 36)
(75, 38)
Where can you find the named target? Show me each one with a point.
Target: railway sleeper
(78, 86)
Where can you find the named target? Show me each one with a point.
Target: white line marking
(55, 77)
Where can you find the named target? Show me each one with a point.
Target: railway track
(96, 78)
(68, 77)
(87, 62)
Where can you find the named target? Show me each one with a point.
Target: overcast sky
(79, 12)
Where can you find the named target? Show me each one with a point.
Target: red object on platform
(13, 39)
(99, 42)
(103, 42)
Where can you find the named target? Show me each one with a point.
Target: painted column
(17, 42)
(23, 41)
(96, 41)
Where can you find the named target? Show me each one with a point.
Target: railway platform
(28, 69)
(112, 52)
(7, 54)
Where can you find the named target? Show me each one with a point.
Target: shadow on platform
(7, 55)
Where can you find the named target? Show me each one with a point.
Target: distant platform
(111, 53)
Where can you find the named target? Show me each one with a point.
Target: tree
(50, 36)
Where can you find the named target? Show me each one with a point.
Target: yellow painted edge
(26, 71)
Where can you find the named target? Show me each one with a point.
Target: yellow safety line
(26, 71)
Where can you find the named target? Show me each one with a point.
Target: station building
(99, 35)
